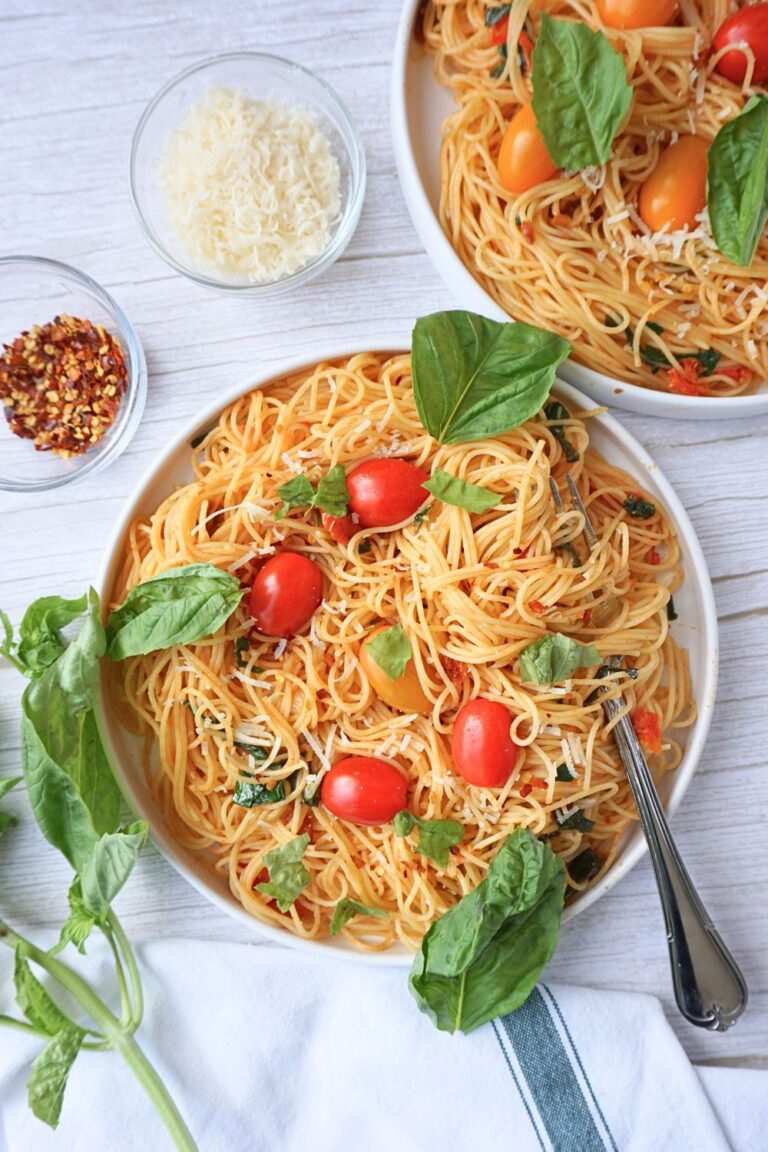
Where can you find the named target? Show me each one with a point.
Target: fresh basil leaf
(295, 493)
(474, 378)
(254, 750)
(553, 658)
(249, 793)
(40, 641)
(346, 909)
(574, 819)
(671, 613)
(737, 182)
(50, 1070)
(656, 359)
(483, 956)
(564, 773)
(453, 490)
(558, 411)
(34, 1001)
(71, 788)
(436, 837)
(176, 607)
(332, 493)
(109, 865)
(639, 508)
(80, 922)
(391, 650)
(584, 866)
(580, 92)
(287, 875)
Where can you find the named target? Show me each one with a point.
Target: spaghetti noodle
(471, 591)
(573, 254)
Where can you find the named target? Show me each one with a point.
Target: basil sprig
(554, 657)
(737, 182)
(391, 650)
(177, 607)
(475, 378)
(580, 92)
(331, 494)
(460, 493)
(40, 641)
(287, 875)
(347, 908)
(436, 837)
(483, 956)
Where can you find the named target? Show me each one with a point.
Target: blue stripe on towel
(552, 1083)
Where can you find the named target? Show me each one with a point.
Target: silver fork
(710, 989)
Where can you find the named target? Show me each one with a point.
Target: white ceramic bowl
(696, 629)
(419, 105)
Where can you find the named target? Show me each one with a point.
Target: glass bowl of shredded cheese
(248, 174)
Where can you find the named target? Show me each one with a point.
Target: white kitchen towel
(270, 1050)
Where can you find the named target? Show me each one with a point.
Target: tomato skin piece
(523, 158)
(339, 528)
(676, 191)
(748, 25)
(481, 745)
(363, 790)
(648, 729)
(285, 594)
(628, 14)
(386, 491)
(404, 694)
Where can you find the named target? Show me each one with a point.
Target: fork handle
(709, 987)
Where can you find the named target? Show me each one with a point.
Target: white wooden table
(73, 82)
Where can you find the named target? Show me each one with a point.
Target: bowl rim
(141, 803)
(350, 216)
(471, 294)
(136, 392)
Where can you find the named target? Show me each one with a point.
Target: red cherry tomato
(636, 13)
(482, 747)
(747, 26)
(676, 191)
(339, 528)
(363, 790)
(523, 158)
(384, 492)
(285, 593)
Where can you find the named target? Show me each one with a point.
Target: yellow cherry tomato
(676, 191)
(405, 694)
(523, 158)
(636, 13)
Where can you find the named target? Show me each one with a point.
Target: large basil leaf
(50, 1070)
(483, 957)
(580, 92)
(176, 607)
(71, 788)
(737, 182)
(474, 377)
(40, 642)
(109, 865)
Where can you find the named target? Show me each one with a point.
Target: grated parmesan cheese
(252, 186)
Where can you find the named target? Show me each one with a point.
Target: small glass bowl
(263, 77)
(34, 290)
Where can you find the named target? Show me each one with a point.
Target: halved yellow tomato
(404, 694)
(523, 158)
(676, 191)
(636, 13)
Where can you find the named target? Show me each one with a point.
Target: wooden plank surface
(72, 86)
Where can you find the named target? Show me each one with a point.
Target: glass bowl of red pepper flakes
(73, 379)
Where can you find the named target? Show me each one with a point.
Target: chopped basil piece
(558, 411)
(453, 490)
(421, 515)
(564, 773)
(346, 909)
(241, 646)
(554, 657)
(639, 508)
(254, 750)
(584, 866)
(311, 794)
(671, 613)
(365, 546)
(391, 650)
(287, 875)
(436, 837)
(498, 71)
(331, 494)
(573, 819)
(249, 793)
(495, 14)
(656, 359)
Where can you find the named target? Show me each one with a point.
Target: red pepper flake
(61, 385)
(528, 231)
(738, 372)
(686, 379)
(526, 789)
(648, 728)
(537, 607)
(499, 31)
(586, 616)
(653, 557)
(454, 670)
